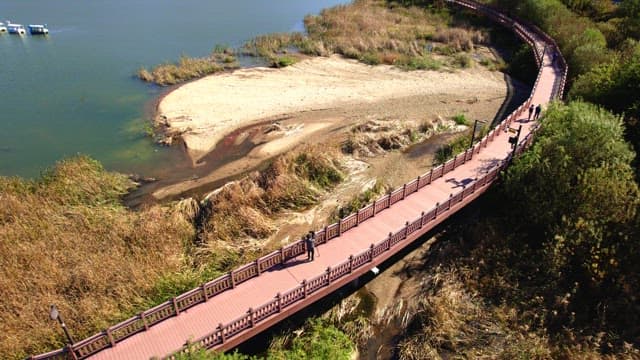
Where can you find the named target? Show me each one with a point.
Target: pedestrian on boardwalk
(530, 111)
(538, 111)
(311, 246)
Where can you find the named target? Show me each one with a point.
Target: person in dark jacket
(530, 111)
(310, 243)
(538, 111)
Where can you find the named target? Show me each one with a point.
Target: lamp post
(55, 315)
(473, 134)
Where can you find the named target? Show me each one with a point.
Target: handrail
(141, 322)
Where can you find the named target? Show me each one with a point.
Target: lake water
(74, 91)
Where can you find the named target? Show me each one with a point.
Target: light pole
(473, 134)
(55, 315)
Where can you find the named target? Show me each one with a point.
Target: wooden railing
(141, 322)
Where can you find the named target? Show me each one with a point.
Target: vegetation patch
(376, 32)
(187, 68)
(359, 201)
(318, 340)
(233, 218)
(66, 239)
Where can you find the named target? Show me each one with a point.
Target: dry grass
(449, 320)
(240, 214)
(187, 68)
(375, 32)
(66, 240)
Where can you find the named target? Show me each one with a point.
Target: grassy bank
(379, 32)
(372, 31)
(66, 239)
(221, 59)
(239, 217)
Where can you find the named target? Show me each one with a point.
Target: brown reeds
(242, 212)
(187, 68)
(374, 32)
(65, 239)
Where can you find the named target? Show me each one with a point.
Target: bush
(319, 340)
(283, 61)
(582, 164)
(461, 119)
(462, 60)
(419, 63)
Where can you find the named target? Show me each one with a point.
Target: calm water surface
(75, 92)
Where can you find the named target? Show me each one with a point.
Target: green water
(75, 91)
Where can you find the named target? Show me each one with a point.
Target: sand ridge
(204, 111)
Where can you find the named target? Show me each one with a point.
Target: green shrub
(460, 119)
(371, 58)
(283, 61)
(319, 340)
(419, 63)
(462, 60)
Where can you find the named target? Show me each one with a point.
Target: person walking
(310, 243)
(530, 111)
(538, 111)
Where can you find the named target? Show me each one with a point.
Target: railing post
(389, 240)
(72, 352)
(358, 217)
(279, 298)
(374, 208)
(251, 320)
(144, 321)
(328, 275)
(350, 264)
(233, 281)
(222, 333)
(430, 175)
(282, 259)
(258, 266)
(175, 306)
(417, 184)
(304, 287)
(326, 233)
(110, 337)
(404, 191)
(204, 292)
(340, 227)
(371, 253)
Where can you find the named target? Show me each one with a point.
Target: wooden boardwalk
(226, 319)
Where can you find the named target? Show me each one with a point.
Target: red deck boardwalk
(370, 243)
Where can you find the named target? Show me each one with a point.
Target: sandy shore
(204, 111)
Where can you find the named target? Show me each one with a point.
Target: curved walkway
(223, 313)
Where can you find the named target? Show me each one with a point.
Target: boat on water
(16, 29)
(38, 29)
(3, 28)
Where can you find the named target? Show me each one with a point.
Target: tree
(576, 189)
(616, 86)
